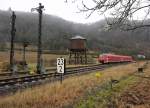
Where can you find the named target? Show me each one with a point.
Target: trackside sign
(60, 65)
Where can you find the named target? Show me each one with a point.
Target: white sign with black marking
(60, 65)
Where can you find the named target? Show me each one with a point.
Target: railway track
(27, 72)
(13, 84)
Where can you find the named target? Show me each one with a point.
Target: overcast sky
(68, 11)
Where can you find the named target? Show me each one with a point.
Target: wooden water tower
(77, 50)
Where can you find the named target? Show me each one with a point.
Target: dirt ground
(137, 96)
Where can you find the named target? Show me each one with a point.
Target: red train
(112, 58)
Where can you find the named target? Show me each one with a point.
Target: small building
(140, 56)
(77, 50)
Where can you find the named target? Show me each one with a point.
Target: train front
(101, 58)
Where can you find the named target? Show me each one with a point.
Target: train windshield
(102, 55)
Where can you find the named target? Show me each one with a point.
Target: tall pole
(39, 54)
(13, 31)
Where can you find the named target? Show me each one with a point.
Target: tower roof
(78, 37)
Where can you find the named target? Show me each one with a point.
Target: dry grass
(49, 60)
(30, 56)
(56, 95)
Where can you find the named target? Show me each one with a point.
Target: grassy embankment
(105, 95)
(56, 95)
(129, 92)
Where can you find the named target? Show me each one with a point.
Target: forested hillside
(56, 33)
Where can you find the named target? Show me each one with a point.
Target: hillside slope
(56, 34)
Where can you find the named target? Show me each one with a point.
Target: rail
(9, 83)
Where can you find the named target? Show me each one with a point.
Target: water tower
(77, 50)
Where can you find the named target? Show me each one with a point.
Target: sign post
(61, 67)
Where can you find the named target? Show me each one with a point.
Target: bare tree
(121, 13)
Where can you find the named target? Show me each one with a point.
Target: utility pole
(13, 31)
(39, 54)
